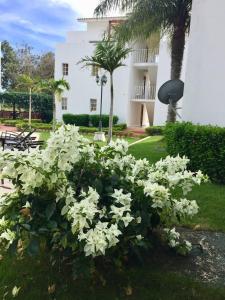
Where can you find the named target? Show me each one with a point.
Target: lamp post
(101, 82)
(100, 136)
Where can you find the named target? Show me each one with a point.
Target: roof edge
(101, 19)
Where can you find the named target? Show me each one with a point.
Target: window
(93, 104)
(65, 69)
(64, 103)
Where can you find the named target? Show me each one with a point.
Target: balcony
(144, 93)
(145, 56)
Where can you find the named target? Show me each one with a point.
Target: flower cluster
(92, 199)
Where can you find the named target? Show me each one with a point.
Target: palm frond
(107, 5)
(109, 55)
(148, 16)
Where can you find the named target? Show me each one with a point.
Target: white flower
(8, 235)
(188, 246)
(159, 194)
(139, 237)
(100, 238)
(83, 212)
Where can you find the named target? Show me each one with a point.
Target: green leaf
(50, 210)
(26, 226)
(34, 247)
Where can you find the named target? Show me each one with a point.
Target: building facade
(135, 84)
(147, 68)
(204, 94)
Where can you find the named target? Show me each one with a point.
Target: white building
(204, 95)
(135, 84)
(147, 68)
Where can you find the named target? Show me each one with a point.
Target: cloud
(85, 8)
(41, 23)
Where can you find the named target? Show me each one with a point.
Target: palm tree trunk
(54, 114)
(111, 109)
(30, 107)
(177, 55)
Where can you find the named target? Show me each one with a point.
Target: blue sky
(41, 23)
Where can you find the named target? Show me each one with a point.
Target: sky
(41, 23)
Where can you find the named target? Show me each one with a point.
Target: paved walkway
(8, 128)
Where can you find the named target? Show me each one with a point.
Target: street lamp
(101, 82)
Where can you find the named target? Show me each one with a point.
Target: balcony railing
(145, 56)
(142, 92)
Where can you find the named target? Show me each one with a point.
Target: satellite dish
(171, 91)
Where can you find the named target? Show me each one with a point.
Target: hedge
(41, 103)
(155, 130)
(88, 120)
(94, 120)
(203, 145)
(79, 120)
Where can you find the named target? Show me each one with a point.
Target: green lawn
(150, 281)
(210, 197)
(144, 282)
(44, 136)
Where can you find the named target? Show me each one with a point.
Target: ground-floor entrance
(141, 113)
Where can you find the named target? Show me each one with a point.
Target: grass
(152, 148)
(137, 282)
(210, 197)
(44, 136)
(151, 281)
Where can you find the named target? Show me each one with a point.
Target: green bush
(120, 127)
(10, 122)
(203, 145)
(86, 120)
(16, 122)
(37, 126)
(155, 130)
(94, 120)
(78, 120)
(87, 207)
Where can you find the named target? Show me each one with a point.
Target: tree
(109, 55)
(46, 65)
(10, 66)
(148, 16)
(55, 88)
(27, 84)
(28, 61)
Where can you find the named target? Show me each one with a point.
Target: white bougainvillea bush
(87, 201)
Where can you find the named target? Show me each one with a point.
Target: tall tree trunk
(30, 107)
(111, 109)
(54, 113)
(177, 55)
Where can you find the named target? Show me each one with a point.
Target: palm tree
(30, 85)
(109, 55)
(148, 16)
(55, 88)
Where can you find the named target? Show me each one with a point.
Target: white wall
(83, 85)
(164, 70)
(163, 76)
(204, 100)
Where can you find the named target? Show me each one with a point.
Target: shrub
(120, 127)
(155, 130)
(86, 120)
(78, 120)
(38, 126)
(84, 201)
(94, 120)
(204, 145)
